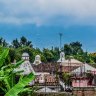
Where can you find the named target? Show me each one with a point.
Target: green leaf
(20, 85)
(3, 56)
(19, 63)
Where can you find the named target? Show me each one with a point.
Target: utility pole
(60, 73)
(60, 34)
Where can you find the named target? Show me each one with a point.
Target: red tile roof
(48, 67)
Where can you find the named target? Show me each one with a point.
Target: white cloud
(42, 12)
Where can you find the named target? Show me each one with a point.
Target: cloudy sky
(42, 20)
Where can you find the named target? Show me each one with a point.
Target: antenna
(60, 34)
(85, 60)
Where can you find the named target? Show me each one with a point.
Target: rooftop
(25, 55)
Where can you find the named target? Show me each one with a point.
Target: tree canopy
(18, 46)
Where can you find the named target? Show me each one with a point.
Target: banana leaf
(3, 56)
(19, 63)
(19, 87)
(11, 66)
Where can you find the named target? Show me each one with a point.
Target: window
(77, 81)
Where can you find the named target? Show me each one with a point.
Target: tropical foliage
(8, 85)
(67, 78)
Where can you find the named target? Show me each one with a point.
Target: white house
(26, 65)
(71, 62)
(84, 68)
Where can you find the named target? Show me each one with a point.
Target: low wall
(53, 94)
(84, 91)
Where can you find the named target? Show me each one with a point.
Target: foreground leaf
(20, 85)
(19, 63)
(3, 56)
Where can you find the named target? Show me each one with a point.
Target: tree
(67, 49)
(56, 53)
(48, 54)
(15, 43)
(73, 48)
(67, 78)
(14, 55)
(29, 43)
(92, 57)
(3, 42)
(76, 47)
(23, 41)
